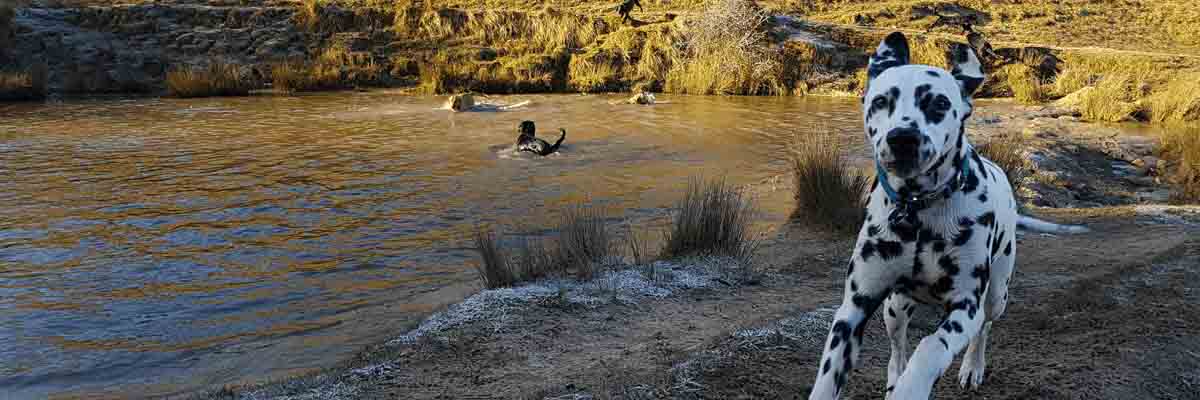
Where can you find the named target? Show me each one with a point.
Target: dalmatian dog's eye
(942, 103)
(879, 102)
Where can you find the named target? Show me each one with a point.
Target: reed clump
(582, 244)
(713, 218)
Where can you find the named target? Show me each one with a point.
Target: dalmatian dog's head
(915, 114)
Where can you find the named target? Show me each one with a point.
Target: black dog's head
(914, 114)
(527, 128)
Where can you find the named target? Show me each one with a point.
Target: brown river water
(152, 247)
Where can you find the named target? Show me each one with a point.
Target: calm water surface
(159, 246)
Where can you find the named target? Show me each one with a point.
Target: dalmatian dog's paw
(911, 392)
(971, 372)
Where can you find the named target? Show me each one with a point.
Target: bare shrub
(713, 218)
(829, 192)
(727, 51)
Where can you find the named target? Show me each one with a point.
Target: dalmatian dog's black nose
(905, 144)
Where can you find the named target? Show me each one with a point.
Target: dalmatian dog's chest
(946, 247)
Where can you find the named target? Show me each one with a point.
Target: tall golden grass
(335, 68)
(1176, 101)
(217, 79)
(1086, 69)
(829, 192)
(1111, 100)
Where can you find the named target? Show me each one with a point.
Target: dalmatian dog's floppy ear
(892, 52)
(967, 69)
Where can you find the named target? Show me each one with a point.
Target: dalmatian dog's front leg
(897, 311)
(867, 285)
(935, 352)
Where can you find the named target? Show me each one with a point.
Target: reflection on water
(153, 246)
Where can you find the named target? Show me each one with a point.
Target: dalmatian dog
(940, 228)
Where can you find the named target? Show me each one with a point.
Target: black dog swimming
(626, 7)
(528, 142)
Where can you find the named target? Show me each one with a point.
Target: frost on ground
(627, 285)
(500, 307)
(332, 391)
(807, 330)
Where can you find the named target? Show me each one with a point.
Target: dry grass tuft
(1007, 151)
(1181, 146)
(1111, 100)
(1025, 85)
(218, 79)
(29, 84)
(829, 192)
(495, 269)
(1086, 69)
(584, 242)
(713, 218)
(581, 246)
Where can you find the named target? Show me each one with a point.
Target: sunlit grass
(217, 79)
